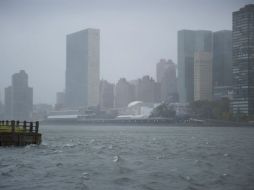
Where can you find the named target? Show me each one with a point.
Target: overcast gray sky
(135, 34)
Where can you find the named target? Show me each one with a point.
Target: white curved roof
(134, 103)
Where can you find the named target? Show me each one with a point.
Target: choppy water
(145, 158)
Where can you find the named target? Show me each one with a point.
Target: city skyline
(142, 33)
(127, 94)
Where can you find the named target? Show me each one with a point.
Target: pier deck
(15, 133)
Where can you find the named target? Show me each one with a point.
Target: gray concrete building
(60, 100)
(106, 95)
(166, 77)
(203, 83)
(124, 93)
(82, 69)
(19, 98)
(243, 61)
(147, 90)
(222, 58)
(221, 92)
(189, 43)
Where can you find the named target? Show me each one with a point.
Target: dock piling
(13, 126)
(36, 126)
(24, 126)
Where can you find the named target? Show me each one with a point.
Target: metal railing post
(36, 126)
(12, 126)
(31, 127)
(24, 126)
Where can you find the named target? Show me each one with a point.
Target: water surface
(129, 157)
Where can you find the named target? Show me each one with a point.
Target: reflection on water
(97, 157)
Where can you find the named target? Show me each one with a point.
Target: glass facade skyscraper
(243, 61)
(189, 43)
(222, 58)
(82, 69)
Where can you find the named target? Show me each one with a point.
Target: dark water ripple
(143, 158)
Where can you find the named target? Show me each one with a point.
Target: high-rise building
(124, 93)
(19, 98)
(161, 66)
(82, 69)
(222, 64)
(60, 98)
(106, 94)
(166, 77)
(203, 83)
(243, 60)
(185, 59)
(222, 58)
(189, 43)
(147, 90)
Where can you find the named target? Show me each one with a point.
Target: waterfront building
(220, 92)
(222, 58)
(185, 59)
(60, 96)
(106, 95)
(166, 77)
(82, 69)
(243, 61)
(222, 64)
(41, 111)
(60, 100)
(203, 83)
(147, 90)
(124, 93)
(139, 109)
(19, 98)
(189, 43)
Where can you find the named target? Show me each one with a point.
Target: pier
(16, 133)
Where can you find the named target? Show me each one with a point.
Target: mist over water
(130, 157)
(135, 35)
(135, 62)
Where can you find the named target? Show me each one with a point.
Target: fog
(134, 34)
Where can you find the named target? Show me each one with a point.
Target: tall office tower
(60, 97)
(106, 94)
(166, 77)
(147, 90)
(189, 43)
(222, 58)
(243, 61)
(19, 98)
(124, 93)
(203, 83)
(82, 69)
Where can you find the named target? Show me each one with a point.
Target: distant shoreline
(147, 122)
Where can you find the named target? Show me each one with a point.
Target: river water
(129, 157)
